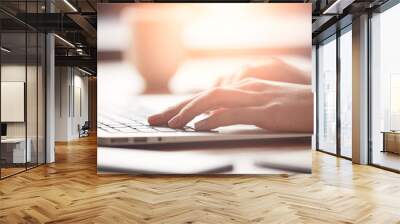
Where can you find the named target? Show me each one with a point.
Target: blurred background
(184, 48)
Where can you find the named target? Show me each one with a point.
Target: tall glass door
(14, 144)
(327, 95)
(346, 92)
(22, 76)
(385, 89)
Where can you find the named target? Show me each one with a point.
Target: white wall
(70, 83)
(62, 81)
(79, 117)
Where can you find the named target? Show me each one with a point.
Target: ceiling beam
(337, 7)
(76, 61)
(84, 24)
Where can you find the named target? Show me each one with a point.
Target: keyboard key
(110, 130)
(143, 127)
(118, 126)
(127, 130)
(147, 130)
(145, 122)
(133, 124)
(127, 125)
(164, 129)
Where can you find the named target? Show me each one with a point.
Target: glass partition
(346, 93)
(22, 67)
(32, 95)
(32, 101)
(14, 144)
(385, 89)
(327, 95)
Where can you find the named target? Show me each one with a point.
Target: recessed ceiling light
(64, 40)
(84, 71)
(337, 7)
(70, 5)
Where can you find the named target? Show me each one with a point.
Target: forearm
(275, 69)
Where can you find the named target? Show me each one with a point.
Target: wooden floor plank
(70, 191)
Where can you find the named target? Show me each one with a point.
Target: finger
(163, 117)
(226, 117)
(217, 98)
(214, 111)
(258, 85)
(253, 84)
(209, 112)
(247, 82)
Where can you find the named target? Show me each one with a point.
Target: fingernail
(174, 121)
(150, 119)
(153, 118)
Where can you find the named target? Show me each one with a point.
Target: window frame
(334, 37)
(26, 30)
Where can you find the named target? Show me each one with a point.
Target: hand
(275, 106)
(272, 69)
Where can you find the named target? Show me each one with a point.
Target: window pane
(327, 97)
(15, 150)
(22, 89)
(32, 83)
(31, 97)
(385, 84)
(346, 94)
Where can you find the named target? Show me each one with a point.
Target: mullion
(37, 90)
(316, 97)
(45, 86)
(338, 93)
(26, 87)
(0, 95)
(369, 91)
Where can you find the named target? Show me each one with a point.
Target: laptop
(126, 125)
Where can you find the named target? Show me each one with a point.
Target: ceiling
(76, 22)
(72, 20)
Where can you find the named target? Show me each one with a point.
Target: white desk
(17, 147)
(269, 157)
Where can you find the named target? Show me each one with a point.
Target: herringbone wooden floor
(70, 191)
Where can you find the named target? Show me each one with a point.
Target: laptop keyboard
(136, 126)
